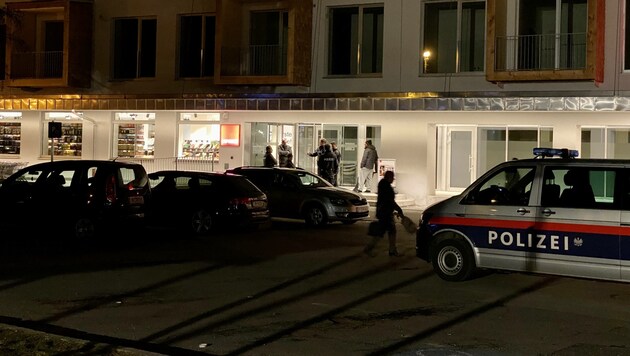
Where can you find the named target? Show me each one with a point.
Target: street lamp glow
(426, 55)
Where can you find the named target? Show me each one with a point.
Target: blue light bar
(555, 152)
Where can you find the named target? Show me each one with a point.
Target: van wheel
(84, 229)
(201, 222)
(453, 260)
(314, 215)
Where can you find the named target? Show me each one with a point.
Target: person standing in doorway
(284, 150)
(367, 168)
(329, 164)
(385, 207)
(269, 160)
(333, 146)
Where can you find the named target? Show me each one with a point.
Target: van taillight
(110, 189)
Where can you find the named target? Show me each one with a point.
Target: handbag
(376, 229)
(408, 224)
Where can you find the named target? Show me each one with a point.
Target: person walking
(385, 207)
(333, 146)
(269, 160)
(284, 150)
(329, 167)
(368, 167)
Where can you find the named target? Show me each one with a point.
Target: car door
(498, 216)
(285, 195)
(18, 192)
(624, 231)
(578, 233)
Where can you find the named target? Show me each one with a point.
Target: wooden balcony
(49, 44)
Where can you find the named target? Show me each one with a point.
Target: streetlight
(426, 55)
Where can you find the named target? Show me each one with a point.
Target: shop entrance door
(307, 142)
(346, 138)
(460, 167)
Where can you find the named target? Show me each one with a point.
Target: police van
(553, 214)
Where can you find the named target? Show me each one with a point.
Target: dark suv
(298, 194)
(76, 197)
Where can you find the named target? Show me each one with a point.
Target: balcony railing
(565, 51)
(37, 65)
(255, 60)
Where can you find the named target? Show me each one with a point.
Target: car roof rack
(564, 153)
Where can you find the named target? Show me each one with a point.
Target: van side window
(580, 187)
(509, 186)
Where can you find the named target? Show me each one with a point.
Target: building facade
(445, 89)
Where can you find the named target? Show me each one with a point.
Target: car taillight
(241, 201)
(110, 190)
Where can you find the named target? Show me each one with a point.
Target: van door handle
(548, 212)
(522, 211)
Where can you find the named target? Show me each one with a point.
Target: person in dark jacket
(319, 153)
(385, 207)
(333, 146)
(329, 166)
(269, 160)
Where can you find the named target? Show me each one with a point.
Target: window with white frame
(70, 144)
(605, 142)
(135, 43)
(355, 40)
(134, 135)
(199, 136)
(10, 133)
(454, 36)
(464, 153)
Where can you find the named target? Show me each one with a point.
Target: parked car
(200, 201)
(298, 194)
(75, 197)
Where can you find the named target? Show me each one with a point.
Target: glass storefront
(10, 133)
(199, 136)
(605, 142)
(466, 152)
(134, 135)
(70, 144)
(265, 134)
(304, 139)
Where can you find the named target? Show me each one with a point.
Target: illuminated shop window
(134, 135)
(70, 143)
(199, 136)
(10, 133)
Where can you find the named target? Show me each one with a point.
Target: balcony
(49, 44)
(575, 55)
(262, 42)
(540, 52)
(37, 65)
(258, 60)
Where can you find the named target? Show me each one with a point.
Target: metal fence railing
(564, 51)
(176, 163)
(37, 65)
(8, 168)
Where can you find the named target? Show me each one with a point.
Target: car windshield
(310, 180)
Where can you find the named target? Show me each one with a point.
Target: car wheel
(453, 259)
(84, 229)
(314, 215)
(201, 222)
